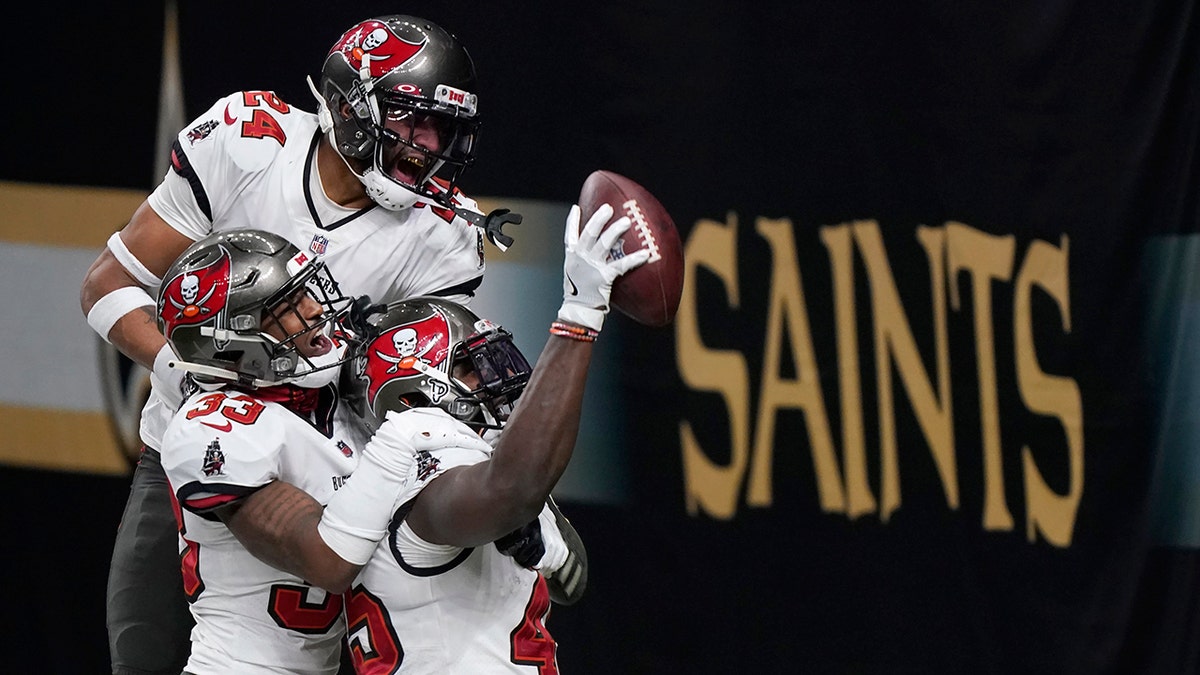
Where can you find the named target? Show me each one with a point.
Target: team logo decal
(427, 464)
(201, 131)
(374, 42)
(214, 459)
(196, 296)
(397, 352)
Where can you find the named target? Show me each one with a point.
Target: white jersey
(418, 607)
(251, 618)
(250, 162)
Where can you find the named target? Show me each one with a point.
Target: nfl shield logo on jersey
(319, 244)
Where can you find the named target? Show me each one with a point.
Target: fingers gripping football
(589, 268)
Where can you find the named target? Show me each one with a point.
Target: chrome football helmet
(403, 69)
(218, 296)
(429, 351)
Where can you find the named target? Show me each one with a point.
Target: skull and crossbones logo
(189, 289)
(405, 342)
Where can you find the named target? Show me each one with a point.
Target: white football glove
(556, 550)
(168, 382)
(566, 575)
(589, 270)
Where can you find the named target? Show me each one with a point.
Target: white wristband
(130, 262)
(116, 304)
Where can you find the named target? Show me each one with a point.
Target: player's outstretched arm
(475, 505)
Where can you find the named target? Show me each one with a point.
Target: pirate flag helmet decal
(195, 296)
(215, 296)
(429, 351)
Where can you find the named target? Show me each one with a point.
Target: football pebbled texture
(648, 294)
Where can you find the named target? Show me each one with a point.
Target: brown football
(648, 294)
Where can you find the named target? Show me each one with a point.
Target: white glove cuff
(357, 516)
(352, 548)
(584, 316)
(162, 362)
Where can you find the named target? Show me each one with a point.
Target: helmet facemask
(490, 373)
(288, 361)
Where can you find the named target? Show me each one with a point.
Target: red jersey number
(531, 643)
(376, 650)
(290, 608)
(263, 124)
(236, 407)
(374, 646)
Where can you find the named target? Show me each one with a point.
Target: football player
(368, 184)
(409, 532)
(260, 325)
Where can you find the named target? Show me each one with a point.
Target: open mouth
(409, 169)
(319, 345)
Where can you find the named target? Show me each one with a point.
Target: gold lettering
(986, 257)
(894, 344)
(1048, 512)
(787, 306)
(859, 498)
(712, 246)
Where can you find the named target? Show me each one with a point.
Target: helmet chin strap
(384, 191)
(219, 373)
(324, 117)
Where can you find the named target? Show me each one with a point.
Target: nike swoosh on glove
(588, 269)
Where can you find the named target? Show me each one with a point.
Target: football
(648, 294)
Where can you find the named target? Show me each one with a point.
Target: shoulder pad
(432, 429)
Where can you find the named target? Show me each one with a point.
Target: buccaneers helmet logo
(385, 50)
(196, 296)
(396, 352)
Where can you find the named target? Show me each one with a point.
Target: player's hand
(168, 382)
(391, 448)
(588, 268)
(523, 545)
(565, 563)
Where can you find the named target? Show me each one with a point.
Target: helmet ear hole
(230, 356)
(415, 400)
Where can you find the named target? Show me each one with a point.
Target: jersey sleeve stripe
(182, 166)
(202, 498)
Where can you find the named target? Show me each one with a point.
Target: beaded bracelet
(573, 332)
